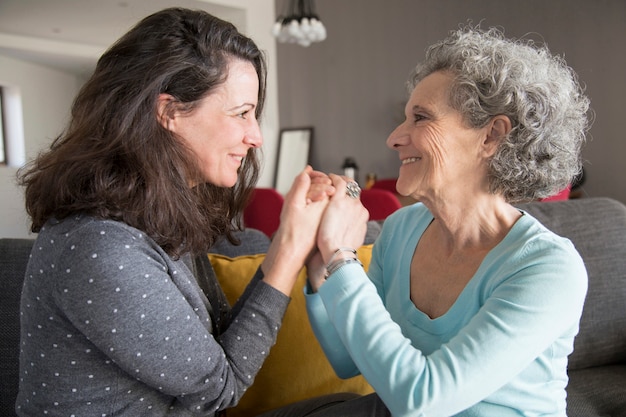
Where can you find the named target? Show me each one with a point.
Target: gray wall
(350, 88)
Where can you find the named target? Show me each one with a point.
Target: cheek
(435, 146)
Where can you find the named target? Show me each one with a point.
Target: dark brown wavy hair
(116, 161)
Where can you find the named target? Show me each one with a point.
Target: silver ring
(353, 190)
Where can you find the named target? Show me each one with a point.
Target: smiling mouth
(410, 160)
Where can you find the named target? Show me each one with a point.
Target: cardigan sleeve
(327, 336)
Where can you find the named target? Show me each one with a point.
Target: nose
(253, 136)
(398, 137)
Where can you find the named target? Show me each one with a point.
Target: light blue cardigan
(501, 350)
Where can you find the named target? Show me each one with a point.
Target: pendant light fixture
(299, 24)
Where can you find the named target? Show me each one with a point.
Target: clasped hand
(317, 218)
(343, 223)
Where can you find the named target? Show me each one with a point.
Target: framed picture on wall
(2, 152)
(294, 147)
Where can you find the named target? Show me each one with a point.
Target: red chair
(561, 195)
(263, 210)
(380, 203)
(388, 184)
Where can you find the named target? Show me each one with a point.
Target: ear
(497, 129)
(165, 110)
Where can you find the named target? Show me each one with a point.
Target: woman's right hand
(344, 223)
(295, 238)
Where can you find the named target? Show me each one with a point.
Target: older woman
(470, 305)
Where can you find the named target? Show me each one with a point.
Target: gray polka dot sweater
(113, 326)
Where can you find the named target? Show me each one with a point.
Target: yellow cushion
(296, 368)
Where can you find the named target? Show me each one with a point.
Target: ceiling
(72, 34)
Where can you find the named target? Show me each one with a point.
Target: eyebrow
(241, 106)
(417, 108)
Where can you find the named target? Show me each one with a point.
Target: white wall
(47, 95)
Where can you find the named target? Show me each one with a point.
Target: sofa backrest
(14, 254)
(253, 241)
(597, 228)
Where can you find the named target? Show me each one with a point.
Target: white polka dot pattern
(114, 326)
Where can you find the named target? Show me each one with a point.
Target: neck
(475, 224)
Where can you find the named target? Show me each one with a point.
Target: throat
(438, 275)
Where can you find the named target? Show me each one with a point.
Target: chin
(230, 184)
(403, 189)
(224, 181)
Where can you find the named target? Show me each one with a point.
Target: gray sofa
(597, 367)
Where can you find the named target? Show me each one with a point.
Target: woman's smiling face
(437, 150)
(223, 127)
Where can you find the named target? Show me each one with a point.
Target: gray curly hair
(537, 91)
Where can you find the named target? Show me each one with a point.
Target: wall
(260, 16)
(351, 86)
(47, 95)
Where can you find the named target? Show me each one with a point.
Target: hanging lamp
(299, 24)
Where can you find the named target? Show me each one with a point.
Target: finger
(318, 177)
(321, 180)
(317, 174)
(319, 192)
(340, 182)
(300, 186)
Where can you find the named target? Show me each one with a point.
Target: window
(12, 146)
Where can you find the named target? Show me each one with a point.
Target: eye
(243, 114)
(418, 117)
